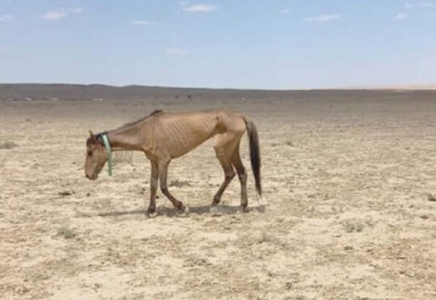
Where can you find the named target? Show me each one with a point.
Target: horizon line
(376, 87)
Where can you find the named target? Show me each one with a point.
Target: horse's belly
(185, 147)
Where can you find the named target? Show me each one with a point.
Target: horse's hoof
(186, 211)
(214, 211)
(242, 210)
(151, 214)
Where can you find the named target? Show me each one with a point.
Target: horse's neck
(129, 138)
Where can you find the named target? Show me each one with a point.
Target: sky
(275, 44)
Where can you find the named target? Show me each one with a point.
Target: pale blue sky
(278, 44)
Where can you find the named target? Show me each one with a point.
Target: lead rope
(109, 152)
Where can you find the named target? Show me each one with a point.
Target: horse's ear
(92, 138)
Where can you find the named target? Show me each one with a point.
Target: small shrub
(66, 232)
(290, 144)
(8, 145)
(353, 226)
(179, 183)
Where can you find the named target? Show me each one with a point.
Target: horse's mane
(98, 136)
(140, 120)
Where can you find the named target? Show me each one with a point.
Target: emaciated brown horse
(164, 136)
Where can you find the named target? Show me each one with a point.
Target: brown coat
(164, 136)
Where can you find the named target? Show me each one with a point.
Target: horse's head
(96, 156)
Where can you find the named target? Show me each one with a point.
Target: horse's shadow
(196, 210)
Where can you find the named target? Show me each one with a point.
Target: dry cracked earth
(348, 183)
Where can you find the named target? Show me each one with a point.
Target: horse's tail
(253, 137)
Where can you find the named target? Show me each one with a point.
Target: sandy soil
(347, 182)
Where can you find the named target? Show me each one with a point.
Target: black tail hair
(253, 137)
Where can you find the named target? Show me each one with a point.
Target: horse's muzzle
(91, 177)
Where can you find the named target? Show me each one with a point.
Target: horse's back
(180, 132)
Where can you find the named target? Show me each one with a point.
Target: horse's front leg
(163, 174)
(154, 178)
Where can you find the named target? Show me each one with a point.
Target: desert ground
(348, 177)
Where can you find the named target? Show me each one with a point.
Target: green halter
(109, 152)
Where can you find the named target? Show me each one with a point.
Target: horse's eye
(89, 152)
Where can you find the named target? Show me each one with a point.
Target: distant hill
(51, 92)
(85, 92)
(417, 87)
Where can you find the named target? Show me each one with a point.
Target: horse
(164, 136)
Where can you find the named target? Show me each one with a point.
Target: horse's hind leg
(229, 174)
(154, 178)
(223, 154)
(242, 175)
(163, 174)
